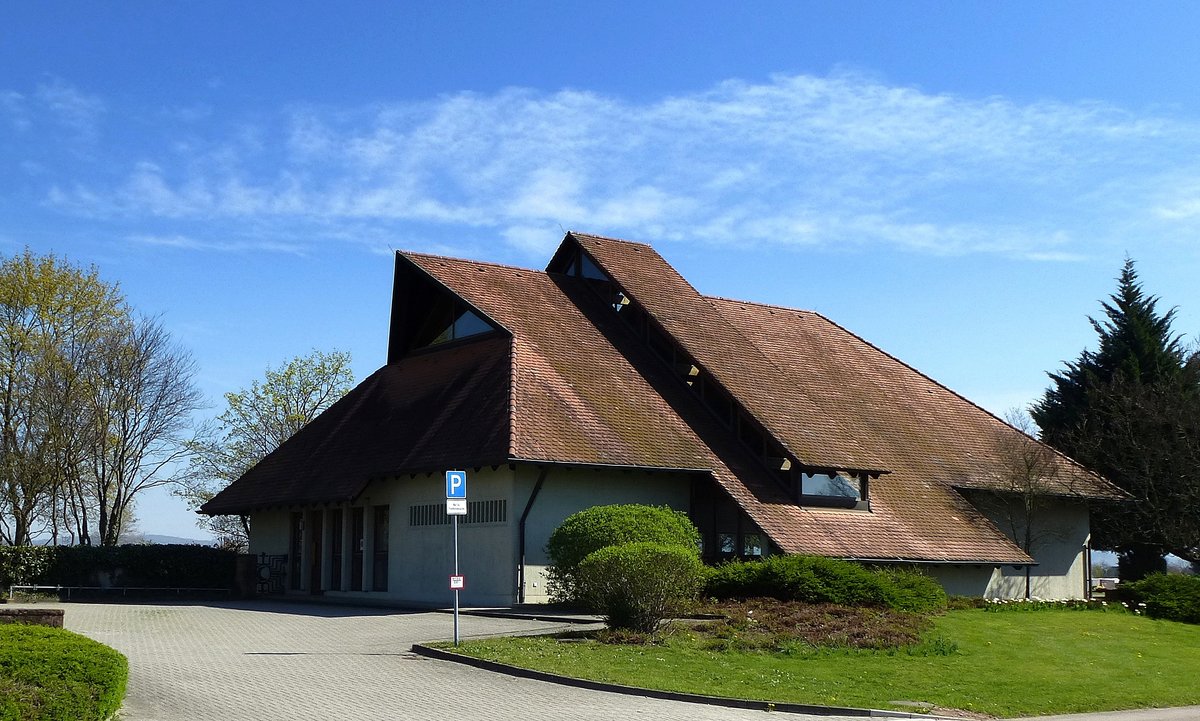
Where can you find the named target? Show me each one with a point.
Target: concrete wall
(567, 490)
(269, 532)
(420, 555)
(1061, 531)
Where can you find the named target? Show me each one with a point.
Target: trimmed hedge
(1170, 597)
(637, 585)
(816, 579)
(167, 566)
(26, 564)
(591, 529)
(49, 673)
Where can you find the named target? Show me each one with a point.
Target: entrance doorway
(314, 551)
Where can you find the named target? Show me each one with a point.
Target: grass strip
(1002, 664)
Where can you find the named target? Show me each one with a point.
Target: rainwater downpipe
(537, 488)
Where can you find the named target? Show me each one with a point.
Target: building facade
(607, 378)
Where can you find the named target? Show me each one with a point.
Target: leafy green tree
(255, 422)
(1126, 410)
(54, 318)
(93, 403)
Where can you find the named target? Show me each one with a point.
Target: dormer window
(449, 319)
(586, 268)
(427, 314)
(842, 490)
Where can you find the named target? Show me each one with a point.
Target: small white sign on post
(456, 506)
(458, 583)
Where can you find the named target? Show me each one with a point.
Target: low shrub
(637, 585)
(815, 579)
(964, 603)
(591, 529)
(1170, 597)
(1065, 604)
(909, 590)
(49, 673)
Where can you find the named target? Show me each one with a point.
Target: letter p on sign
(456, 484)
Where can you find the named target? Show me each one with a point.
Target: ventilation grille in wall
(434, 514)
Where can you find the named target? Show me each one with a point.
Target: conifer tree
(1128, 411)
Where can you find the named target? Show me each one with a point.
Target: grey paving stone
(285, 662)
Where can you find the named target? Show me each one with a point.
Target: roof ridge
(610, 239)
(467, 261)
(761, 304)
(723, 372)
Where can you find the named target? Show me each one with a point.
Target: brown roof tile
(404, 418)
(573, 385)
(786, 410)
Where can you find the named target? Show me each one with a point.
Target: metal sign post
(456, 505)
(455, 520)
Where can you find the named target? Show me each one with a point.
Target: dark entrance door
(314, 551)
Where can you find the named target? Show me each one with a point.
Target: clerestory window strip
(834, 491)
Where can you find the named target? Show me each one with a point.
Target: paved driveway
(268, 661)
(264, 661)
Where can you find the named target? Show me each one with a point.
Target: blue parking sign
(456, 484)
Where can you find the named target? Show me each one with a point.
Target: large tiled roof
(786, 410)
(405, 417)
(920, 427)
(568, 382)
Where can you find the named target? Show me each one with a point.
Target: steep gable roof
(405, 417)
(564, 380)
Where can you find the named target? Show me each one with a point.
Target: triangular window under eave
(427, 314)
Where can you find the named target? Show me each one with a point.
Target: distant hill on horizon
(158, 539)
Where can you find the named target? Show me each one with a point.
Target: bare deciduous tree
(143, 400)
(1021, 495)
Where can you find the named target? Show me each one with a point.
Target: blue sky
(957, 182)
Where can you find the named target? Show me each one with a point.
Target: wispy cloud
(838, 161)
(181, 242)
(70, 107)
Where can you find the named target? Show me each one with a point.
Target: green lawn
(1011, 663)
(51, 674)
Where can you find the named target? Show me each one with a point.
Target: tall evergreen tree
(1125, 410)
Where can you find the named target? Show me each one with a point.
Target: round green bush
(591, 529)
(49, 673)
(637, 585)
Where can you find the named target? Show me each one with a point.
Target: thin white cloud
(14, 107)
(181, 242)
(843, 160)
(71, 107)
